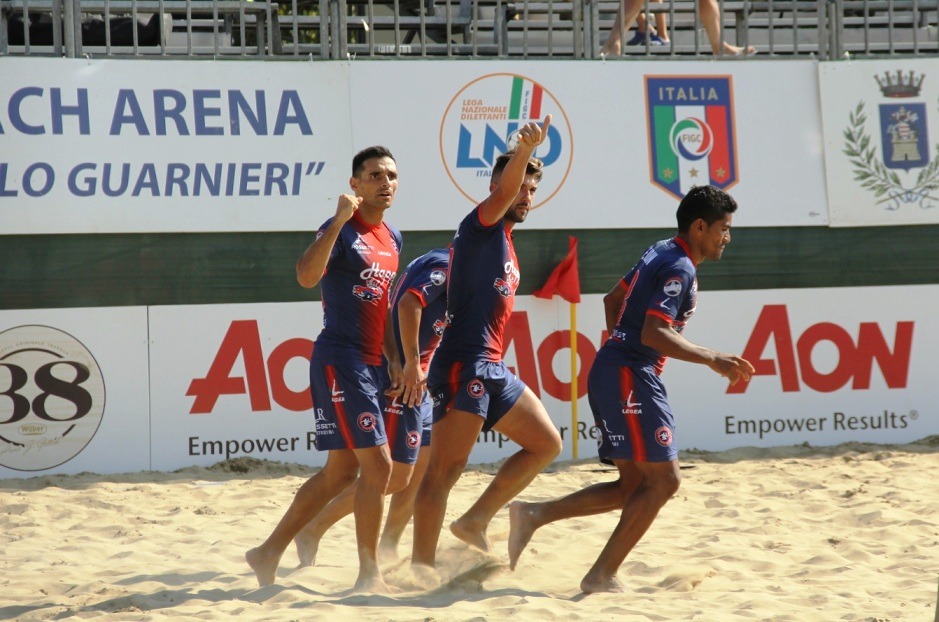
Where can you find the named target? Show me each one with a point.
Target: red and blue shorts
(348, 403)
(630, 407)
(485, 388)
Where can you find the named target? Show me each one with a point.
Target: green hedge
(47, 271)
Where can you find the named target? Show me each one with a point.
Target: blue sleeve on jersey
(433, 283)
(336, 246)
(672, 286)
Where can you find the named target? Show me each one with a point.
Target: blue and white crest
(904, 136)
(904, 146)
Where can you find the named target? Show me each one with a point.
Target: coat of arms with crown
(903, 145)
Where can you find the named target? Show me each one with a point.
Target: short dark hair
(534, 165)
(706, 202)
(375, 151)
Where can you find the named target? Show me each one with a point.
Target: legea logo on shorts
(482, 121)
(51, 397)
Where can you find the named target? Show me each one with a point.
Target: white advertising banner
(101, 146)
(225, 381)
(232, 380)
(73, 391)
(626, 142)
(832, 366)
(881, 123)
(98, 146)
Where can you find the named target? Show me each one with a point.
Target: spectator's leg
(614, 45)
(711, 20)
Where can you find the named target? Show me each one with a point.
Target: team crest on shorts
(476, 388)
(367, 422)
(414, 439)
(664, 436)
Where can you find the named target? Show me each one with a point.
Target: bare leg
(614, 45)
(453, 440)
(526, 518)
(661, 25)
(528, 424)
(660, 28)
(308, 540)
(369, 505)
(335, 476)
(401, 508)
(711, 20)
(660, 481)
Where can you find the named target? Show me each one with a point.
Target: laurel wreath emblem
(874, 176)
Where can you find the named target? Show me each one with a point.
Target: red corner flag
(564, 280)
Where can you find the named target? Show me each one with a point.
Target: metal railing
(576, 29)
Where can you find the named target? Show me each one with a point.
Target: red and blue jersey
(362, 264)
(426, 278)
(663, 283)
(483, 278)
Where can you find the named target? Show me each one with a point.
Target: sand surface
(796, 533)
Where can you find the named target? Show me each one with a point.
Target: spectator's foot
(611, 48)
(733, 50)
(657, 40)
(638, 39)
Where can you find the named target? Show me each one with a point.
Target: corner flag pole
(574, 391)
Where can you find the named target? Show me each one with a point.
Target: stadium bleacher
(336, 29)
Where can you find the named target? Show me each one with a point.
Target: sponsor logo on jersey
(672, 287)
(502, 287)
(630, 407)
(370, 292)
(361, 246)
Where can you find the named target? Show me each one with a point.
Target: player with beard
(472, 389)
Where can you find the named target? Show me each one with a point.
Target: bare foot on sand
(264, 567)
(425, 577)
(371, 585)
(471, 535)
(307, 546)
(592, 585)
(521, 528)
(387, 551)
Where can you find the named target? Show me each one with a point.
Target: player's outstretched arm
(658, 335)
(500, 200)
